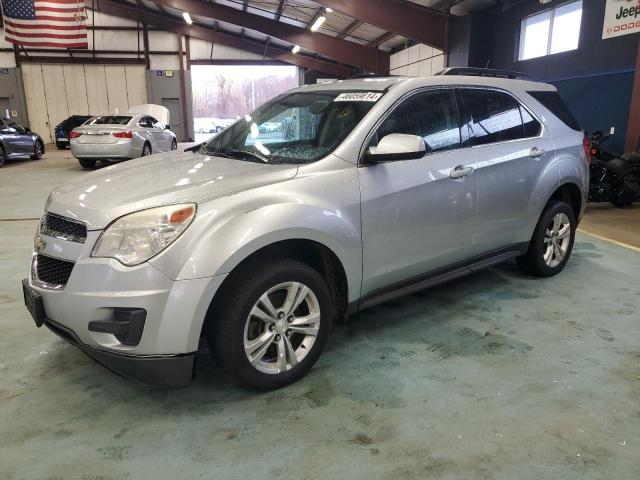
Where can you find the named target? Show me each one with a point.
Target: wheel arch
(570, 193)
(313, 253)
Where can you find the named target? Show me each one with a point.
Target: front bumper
(161, 318)
(162, 371)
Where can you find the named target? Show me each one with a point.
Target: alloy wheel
(282, 327)
(556, 240)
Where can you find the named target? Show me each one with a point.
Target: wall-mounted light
(187, 17)
(295, 49)
(316, 25)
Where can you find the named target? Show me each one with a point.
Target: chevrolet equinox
(326, 200)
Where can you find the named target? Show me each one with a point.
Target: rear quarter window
(554, 103)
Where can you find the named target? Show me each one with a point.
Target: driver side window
(432, 115)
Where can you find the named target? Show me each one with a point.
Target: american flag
(45, 23)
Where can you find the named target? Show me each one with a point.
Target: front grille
(52, 271)
(56, 226)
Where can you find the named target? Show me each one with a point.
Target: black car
(18, 142)
(63, 128)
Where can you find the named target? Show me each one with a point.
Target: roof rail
(482, 72)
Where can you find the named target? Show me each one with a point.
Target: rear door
(511, 152)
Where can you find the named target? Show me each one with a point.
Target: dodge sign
(621, 17)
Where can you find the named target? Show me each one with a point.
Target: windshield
(110, 120)
(295, 128)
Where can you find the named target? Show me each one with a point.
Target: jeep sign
(621, 17)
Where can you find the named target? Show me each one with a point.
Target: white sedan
(120, 137)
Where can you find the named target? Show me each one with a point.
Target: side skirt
(437, 277)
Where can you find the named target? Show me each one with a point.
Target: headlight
(135, 238)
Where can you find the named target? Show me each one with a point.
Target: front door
(416, 216)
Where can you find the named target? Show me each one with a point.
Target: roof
(382, 83)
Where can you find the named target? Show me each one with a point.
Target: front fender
(216, 248)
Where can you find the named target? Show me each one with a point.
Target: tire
(38, 150)
(537, 261)
(61, 146)
(174, 144)
(146, 150)
(88, 164)
(231, 327)
(2, 157)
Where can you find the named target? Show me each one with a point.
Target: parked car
(385, 187)
(121, 137)
(63, 129)
(18, 142)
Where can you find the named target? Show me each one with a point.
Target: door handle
(537, 152)
(460, 171)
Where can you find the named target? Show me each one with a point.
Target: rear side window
(531, 125)
(493, 116)
(555, 104)
(111, 120)
(431, 115)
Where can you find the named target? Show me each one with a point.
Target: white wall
(7, 59)
(417, 61)
(53, 92)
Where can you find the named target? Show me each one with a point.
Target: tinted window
(145, 122)
(553, 102)
(494, 116)
(431, 115)
(531, 125)
(110, 120)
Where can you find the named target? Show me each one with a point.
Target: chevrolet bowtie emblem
(39, 244)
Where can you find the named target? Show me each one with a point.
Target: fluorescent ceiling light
(328, 10)
(187, 17)
(295, 49)
(319, 21)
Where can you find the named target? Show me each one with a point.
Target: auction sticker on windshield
(358, 97)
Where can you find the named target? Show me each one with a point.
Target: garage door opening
(224, 93)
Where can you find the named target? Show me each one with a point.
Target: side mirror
(396, 146)
(27, 130)
(167, 127)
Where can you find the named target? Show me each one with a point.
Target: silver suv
(358, 192)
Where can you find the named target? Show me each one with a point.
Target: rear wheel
(61, 146)
(2, 156)
(272, 325)
(174, 144)
(146, 150)
(552, 241)
(87, 163)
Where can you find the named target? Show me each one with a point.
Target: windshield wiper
(245, 153)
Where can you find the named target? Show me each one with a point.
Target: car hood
(100, 197)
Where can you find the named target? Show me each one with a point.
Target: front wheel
(38, 150)
(174, 144)
(552, 241)
(146, 150)
(272, 325)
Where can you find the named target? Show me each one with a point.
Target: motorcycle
(613, 178)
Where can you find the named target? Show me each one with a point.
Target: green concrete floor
(495, 376)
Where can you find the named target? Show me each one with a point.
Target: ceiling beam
(361, 56)
(385, 37)
(281, 5)
(352, 27)
(422, 24)
(172, 24)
